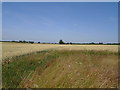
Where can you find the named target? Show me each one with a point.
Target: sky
(52, 21)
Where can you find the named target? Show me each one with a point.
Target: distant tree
(31, 42)
(100, 43)
(13, 41)
(61, 42)
(38, 42)
(20, 41)
(24, 41)
(92, 43)
(70, 42)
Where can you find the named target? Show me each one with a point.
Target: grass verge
(66, 63)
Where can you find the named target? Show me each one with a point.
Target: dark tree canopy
(61, 42)
(70, 42)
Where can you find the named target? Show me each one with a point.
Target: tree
(61, 42)
(24, 41)
(92, 43)
(100, 42)
(70, 42)
(31, 42)
(20, 41)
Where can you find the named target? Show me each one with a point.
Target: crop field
(59, 66)
(15, 49)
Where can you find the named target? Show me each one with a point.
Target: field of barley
(15, 49)
(59, 66)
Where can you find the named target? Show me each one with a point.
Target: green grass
(15, 71)
(43, 62)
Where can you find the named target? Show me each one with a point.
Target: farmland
(60, 66)
(15, 49)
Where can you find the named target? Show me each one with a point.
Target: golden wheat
(16, 49)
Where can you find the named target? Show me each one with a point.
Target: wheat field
(59, 66)
(15, 49)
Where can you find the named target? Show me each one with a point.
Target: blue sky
(70, 21)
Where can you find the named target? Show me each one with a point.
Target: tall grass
(63, 68)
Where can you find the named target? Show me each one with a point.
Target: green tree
(70, 42)
(61, 42)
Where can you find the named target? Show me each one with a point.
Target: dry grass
(16, 49)
(62, 69)
(77, 69)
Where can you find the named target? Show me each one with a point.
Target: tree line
(62, 42)
(91, 43)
